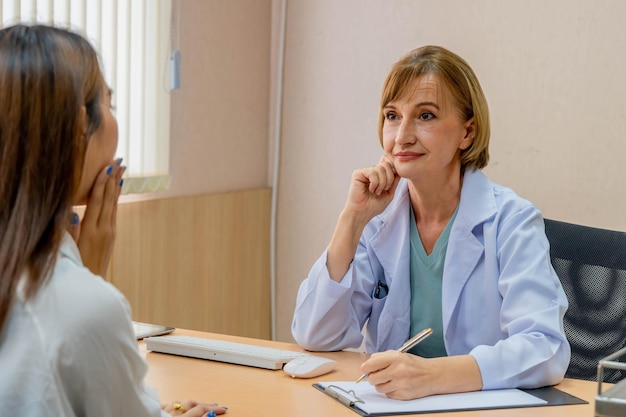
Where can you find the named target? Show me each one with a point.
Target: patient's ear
(83, 120)
(81, 191)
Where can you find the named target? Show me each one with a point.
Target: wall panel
(199, 262)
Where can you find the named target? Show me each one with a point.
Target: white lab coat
(502, 302)
(71, 350)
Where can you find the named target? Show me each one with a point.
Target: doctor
(426, 240)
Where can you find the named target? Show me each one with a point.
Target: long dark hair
(48, 76)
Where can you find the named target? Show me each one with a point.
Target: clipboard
(364, 400)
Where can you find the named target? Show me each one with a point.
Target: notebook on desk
(147, 330)
(364, 400)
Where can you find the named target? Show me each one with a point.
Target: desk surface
(253, 392)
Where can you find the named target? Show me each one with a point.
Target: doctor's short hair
(460, 80)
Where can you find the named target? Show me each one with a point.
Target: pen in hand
(408, 345)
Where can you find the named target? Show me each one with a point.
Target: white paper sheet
(376, 403)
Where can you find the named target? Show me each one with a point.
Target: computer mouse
(309, 366)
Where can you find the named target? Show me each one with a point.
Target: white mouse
(309, 366)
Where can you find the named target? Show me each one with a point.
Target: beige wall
(219, 126)
(553, 72)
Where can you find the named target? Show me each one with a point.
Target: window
(133, 39)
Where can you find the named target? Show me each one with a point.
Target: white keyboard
(223, 351)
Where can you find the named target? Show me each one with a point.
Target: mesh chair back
(591, 264)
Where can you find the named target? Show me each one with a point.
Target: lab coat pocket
(378, 304)
(379, 297)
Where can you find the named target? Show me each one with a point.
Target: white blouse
(71, 350)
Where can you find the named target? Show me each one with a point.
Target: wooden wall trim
(200, 262)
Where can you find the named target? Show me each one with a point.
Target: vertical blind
(133, 40)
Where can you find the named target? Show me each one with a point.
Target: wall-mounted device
(175, 70)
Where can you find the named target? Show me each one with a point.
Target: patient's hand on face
(95, 234)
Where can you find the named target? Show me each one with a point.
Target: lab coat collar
(477, 198)
(391, 246)
(465, 246)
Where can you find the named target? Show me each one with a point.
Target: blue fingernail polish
(75, 219)
(122, 182)
(210, 414)
(119, 161)
(109, 170)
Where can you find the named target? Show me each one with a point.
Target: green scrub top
(426, 277)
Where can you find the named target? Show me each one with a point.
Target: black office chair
(591, 264)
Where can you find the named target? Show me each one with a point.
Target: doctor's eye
(391, 116)
(427, 116)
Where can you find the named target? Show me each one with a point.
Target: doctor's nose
(406, 133)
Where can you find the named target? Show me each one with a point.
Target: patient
(67, 346)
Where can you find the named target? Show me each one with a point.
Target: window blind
(134, 42)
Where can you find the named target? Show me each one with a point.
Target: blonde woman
(426, 240)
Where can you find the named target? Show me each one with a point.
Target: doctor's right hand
(372, 189)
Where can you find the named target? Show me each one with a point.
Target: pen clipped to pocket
(381, 290)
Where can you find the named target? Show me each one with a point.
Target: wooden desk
(255, 392)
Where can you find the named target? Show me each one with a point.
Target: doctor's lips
(406, 155)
